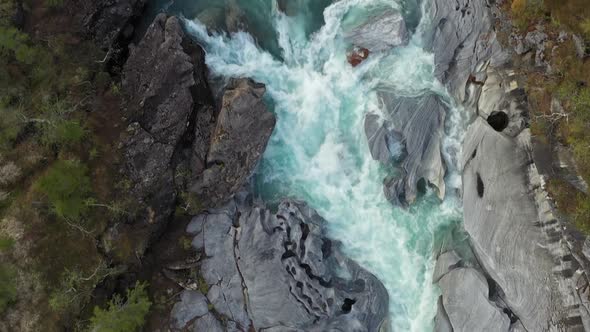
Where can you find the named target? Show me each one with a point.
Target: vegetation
(7, 286)
(569, 83)
(123, 315)
(54, 152)
(67, 187)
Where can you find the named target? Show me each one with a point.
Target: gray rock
(420, 123)
(380, 32)
(240, 137)
(193, 304)
(385, 144)
(207, 323)
(442, 322)
(444, 264)
(107, 20)
(500, 215)
(536, 39)
(465, 300)
(520, 47)
(278, 272)
(581, 47)
(462, 37)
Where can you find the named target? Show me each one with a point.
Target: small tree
(120, 315)
(67, 187)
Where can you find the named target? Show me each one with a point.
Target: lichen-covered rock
(241, 134)
(278, 271)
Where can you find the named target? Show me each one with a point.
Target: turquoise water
(319, 152)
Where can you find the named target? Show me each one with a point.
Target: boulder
(357, 56)
(380, 32)
(241, 134)
(192, 304)
(420, 124)
(463, 35)
(465, 301)
(278, 270)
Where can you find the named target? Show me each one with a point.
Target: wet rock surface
(277, 271)
(414, 126)
(380, 32)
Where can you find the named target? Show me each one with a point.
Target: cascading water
(319, 152)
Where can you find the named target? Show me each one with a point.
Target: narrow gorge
(326, 165)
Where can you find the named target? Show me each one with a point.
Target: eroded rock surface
(520, 246)
(412, 133)
(277, 271)
(380, 32)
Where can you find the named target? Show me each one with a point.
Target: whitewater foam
(319, 151)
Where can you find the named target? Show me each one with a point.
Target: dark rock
(164, 80)
(107, 20)
(274, 269)
(240, 137)
(18, 16)
(158, 78)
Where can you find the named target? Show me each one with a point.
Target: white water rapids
(319, 152)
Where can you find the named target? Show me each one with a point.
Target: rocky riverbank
(527, 272)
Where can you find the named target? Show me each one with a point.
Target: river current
(319, 152)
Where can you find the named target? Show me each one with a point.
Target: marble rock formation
(277, 271)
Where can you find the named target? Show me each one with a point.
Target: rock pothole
(498, 120)
(480, 186)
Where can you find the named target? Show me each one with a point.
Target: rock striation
(411, 135)
(277, 271)
(521, 279)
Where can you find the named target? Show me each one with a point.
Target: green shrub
(63, 133)
(7, 286)
(6, 243)
(67, 187)
(123, 315)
